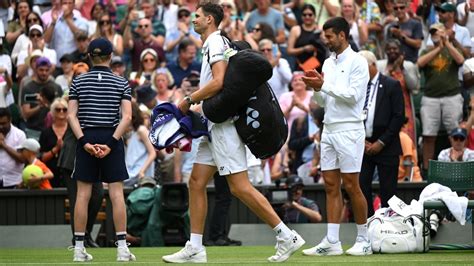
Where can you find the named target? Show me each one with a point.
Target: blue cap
(459, 132)
(43, 61)
(100, 46)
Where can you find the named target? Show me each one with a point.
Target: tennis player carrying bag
(392, 230)
(261, 124)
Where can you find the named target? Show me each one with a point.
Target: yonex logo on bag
(295, 239)
(252, 115)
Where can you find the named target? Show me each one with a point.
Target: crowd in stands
(425, 45)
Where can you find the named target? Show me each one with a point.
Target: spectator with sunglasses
(407, 30)
(304, 41)
(145, 40)
(23, 41)
(105, 29)
(35, 34)
(148, 64)
(458, 151)
(51, 140)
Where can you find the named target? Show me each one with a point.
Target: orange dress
(410, 127)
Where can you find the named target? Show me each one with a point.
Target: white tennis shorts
(342, 150)
(226, 150)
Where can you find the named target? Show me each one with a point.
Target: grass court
(246, 255)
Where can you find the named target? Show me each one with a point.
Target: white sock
(79, 239)
(282, 230)
(196, 241)
(362, 231)
(121, 239)
(333, 233)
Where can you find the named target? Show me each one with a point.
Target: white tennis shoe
(325, 248)
(188, 254)
(81, 255)
(286, 247)
(124, 254)
(362, 247)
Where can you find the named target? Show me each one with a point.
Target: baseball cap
(100, 46)
(435, 27)
(294, 181)
(147, 180)
(145, 94)
(66, 58)
(36, 27)
(459, 132)
(30, 144)
(447, 7)
(116, 60)
(43, 61)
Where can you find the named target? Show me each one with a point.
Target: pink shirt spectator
(285, 102)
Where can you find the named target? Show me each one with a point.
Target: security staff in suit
(384, 115)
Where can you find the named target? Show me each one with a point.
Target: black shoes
(223, 242)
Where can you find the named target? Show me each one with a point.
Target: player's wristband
(82, 141)
(112, 143)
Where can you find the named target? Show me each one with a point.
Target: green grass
(248, 255)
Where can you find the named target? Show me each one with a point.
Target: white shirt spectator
(444, 155)
(169, 16)
(281, 77)
(11, 170)
(344, 89)
(470, 20)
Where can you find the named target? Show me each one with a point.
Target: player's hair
(100, 59)
(338, 24)
(5, 112)
(214, 10)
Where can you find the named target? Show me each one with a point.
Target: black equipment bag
(246, 71)
(261, 124)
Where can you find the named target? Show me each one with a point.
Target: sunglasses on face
(256, 29)
(36, 35)
(456, 138)
(226, 6)
(398, 8)
(32, 20)
(104, 22)
(143, 26)
(58, 110)
(146, 60)
(308, 15)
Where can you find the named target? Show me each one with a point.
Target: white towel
(456, 205)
